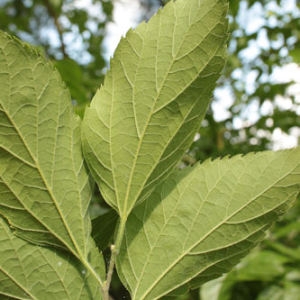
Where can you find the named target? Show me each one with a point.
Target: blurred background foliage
(256, 107)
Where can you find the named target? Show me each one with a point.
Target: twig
(52, 13)
(115, 248)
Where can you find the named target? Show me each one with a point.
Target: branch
(52, 13)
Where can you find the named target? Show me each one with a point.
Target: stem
(114, 252)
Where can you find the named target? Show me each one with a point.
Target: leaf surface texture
(153, 99)
(29, 271)
(44, 187)
(202, 220)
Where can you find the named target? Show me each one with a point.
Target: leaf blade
(44, 187)
(145, 115)
(209, 216)
(32, 272)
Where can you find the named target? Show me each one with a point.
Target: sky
(125, 16)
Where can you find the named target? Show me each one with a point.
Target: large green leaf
(44, 187)
(201, 221)
(32, 272)
(156, 93)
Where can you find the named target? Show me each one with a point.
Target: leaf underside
(32, 272)
(44, 186)
(202, 220)
(44, 189)
(153, 99)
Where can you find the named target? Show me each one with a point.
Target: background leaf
(32, 272)
(202, 220)
(103, 228)
(44, 187)
(146, 114)
(271, 269)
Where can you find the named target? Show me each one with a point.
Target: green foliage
(40, 147)
(45, 189)
(209, 230)
(161, 79)
(263, 275)
(249, 76)
(58, 27)
(31, 272)
(174, 230)
(269, 272)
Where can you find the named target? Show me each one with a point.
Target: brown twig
(52, 13)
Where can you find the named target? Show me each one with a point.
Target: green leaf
(72, 75)
(103, 228)
(210, 290)
(153, 99)
(32, 272)
(274, 292)
(295, 54)
(44, 187)
(264, 266)
(202, 220)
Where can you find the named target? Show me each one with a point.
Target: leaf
(202, 220)
(295, 54)
(265, 266)
(103, 228)
(44, 187)
(32, 272)
(72, 75)
(153, 99)
(210, 290)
